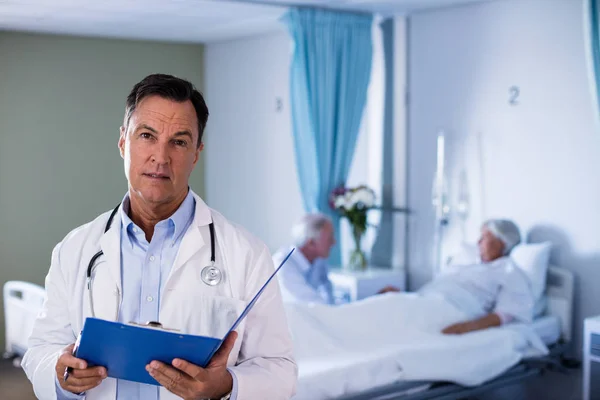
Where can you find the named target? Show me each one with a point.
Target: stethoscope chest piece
(211, 275)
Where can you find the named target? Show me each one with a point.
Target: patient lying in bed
(491, 293)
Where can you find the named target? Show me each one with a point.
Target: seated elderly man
(305, 278)
(493, 292)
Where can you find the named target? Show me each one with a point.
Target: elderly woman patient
(493, 292)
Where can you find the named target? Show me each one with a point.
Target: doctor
(153, 267)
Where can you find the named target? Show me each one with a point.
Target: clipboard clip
(155, 325)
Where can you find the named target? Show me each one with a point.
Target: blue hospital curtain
(594, 32)
(330, 73)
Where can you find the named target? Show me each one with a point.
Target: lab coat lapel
(193, 241)
(110, 244)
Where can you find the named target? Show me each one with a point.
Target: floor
(14, 385)
(551, 386)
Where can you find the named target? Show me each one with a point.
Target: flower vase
(358, 260)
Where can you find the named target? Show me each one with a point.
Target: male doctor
(154, 251)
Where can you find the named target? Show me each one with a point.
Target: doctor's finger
(95, 372)
(68, 349)
(172, 380)
(174, 376)
(81, 389)
(221, 356)
(190, 369)
(78, 383)
(67, 360)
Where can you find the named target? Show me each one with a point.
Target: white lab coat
(262, 358)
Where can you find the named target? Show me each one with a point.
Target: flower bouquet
(353, 204)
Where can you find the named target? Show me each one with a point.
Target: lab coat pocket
(210, 316)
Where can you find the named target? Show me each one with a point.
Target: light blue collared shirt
(145, 267)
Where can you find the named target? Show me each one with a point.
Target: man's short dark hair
(171, 88)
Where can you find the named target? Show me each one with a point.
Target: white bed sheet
(547, 328)
(339, 352)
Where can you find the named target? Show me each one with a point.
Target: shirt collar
(181, 218)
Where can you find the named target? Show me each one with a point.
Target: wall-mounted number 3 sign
(514, 93)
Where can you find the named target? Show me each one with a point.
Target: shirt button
(149, 298)
(152, 258)
(135, 230)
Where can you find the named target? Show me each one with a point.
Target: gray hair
(506, 231)
(308, 228)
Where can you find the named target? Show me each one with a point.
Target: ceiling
(377, 6)
(168, 20)
(196, 21)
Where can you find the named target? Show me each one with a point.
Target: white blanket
(385, 339)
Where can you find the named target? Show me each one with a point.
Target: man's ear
(197, 153)
(122, 135)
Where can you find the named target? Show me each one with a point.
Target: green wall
(62, 101)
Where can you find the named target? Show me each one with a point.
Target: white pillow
(533, 259)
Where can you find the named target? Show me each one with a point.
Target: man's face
(160, 149)
(490, 247)
(325, 241)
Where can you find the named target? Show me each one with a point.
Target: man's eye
(182, 143)
(146, 135)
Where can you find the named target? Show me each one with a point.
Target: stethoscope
(210, 275)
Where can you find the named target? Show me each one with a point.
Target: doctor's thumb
(222, 354)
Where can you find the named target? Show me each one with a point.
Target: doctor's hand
(81, 378)
(192, 382)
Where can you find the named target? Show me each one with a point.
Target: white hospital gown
(499, 287)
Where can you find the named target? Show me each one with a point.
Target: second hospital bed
(431, 368)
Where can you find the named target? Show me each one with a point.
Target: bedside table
(591, 358)
(355, 285)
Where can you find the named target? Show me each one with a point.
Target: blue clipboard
(125, 350)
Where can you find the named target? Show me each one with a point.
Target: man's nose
(161, 154)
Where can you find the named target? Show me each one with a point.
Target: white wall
(540, 158)
(249, 156)
(250, 165)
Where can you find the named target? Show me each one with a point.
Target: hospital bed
(22, 303)
(554, 327)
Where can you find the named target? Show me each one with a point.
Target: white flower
(350, 200)
(367, 197)
(340, 202)
(363, 195)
